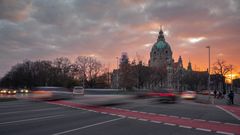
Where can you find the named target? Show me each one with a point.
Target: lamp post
(117, 72)
(231, 68)
(209, 69)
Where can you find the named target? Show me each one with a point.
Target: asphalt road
(113, 115)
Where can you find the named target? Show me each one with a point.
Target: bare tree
(63, 64)
(88, 68)
(221, 68)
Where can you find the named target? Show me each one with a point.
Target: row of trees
(60, 72)
(89, 72)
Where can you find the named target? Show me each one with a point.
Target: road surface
(114, 115)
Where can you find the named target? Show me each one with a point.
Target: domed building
(161, 53)
(161, 58)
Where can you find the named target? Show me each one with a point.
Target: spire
(161, 35)
(180, 61)
(189, 68)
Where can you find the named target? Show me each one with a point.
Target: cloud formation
(46, 29)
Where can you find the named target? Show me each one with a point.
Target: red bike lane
(209, 126)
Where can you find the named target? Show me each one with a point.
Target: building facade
(161, 58)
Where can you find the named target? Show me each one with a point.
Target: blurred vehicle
(51, 93)
(205, 92)
(78, 90)
(11, 92)
(189, 95)
(163, 95)
(3, 91)
(24, 91)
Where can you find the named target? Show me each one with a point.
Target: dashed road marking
(182, 126)
(203, 129)
(156, 121)
(152, 113)
(169, 124)
(121, 116)
(225, 133)
(214, 121)
(173, 116)
(185, 118)
(143, 119)
(132, 117)
(199, 120)
(232, 124)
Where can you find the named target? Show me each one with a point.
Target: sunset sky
(47, 29)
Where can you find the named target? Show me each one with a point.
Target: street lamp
(231, 68)
(209, 69)
(117, 72)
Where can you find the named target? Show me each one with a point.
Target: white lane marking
(225, 133)
(182, 126)
(203, 129)
(143, 119)
(31, 119)
(121, 116)
(173, 116)
(235, 116)
(104, 113)
(185, 118)
(132, 117)
(169, 124)
(134, 111)
(232, 124)
(35, 110)
(199, 120)
(214, 121)
(88, 126)
(156, 121)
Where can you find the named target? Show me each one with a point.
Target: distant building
(161, 71)
(161, 57)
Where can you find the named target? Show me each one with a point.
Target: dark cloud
(15, 10)
(45, 29)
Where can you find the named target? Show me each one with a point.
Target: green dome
(161, 44)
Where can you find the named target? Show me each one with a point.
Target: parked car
(78, 90)
(189, 95)
(163, 95)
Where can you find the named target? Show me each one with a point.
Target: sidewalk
(233, 110)
(205, 100)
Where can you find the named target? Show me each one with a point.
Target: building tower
(189, 67)
(161, 57)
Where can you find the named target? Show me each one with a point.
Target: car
(163, 95)
(3, 91)
(189, 95)
(11, 91)
(24, 91)
(78, 90)
(51, 93)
